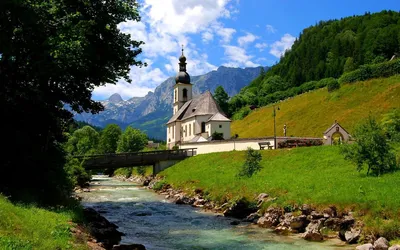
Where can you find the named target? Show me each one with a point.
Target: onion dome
(182, 76)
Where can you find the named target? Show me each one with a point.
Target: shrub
(366, 72)
(252, 163)
(332, 85)
(159, 185)
(77, 175)
(299, 143)
(217, 136)
(370, 149)
(141, 170)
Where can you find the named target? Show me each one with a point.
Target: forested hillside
(327, 49)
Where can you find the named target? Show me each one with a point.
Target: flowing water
(147, 218)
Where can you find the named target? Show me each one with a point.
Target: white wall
(226, 145)
(188, 127)
(214, 126)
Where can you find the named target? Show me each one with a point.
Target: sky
(232, 33)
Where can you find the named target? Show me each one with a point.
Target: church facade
(194, 119)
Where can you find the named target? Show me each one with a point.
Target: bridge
(160, 160)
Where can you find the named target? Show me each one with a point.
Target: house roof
(334, 125)
(204, 104)
(219, 117)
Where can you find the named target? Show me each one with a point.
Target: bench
(265, 144)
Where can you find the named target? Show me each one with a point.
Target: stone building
(194, 119)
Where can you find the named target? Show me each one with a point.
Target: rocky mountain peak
(115, 98)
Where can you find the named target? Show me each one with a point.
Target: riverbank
(29, 227)
(313, 187)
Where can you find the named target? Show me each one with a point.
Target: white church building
(194, 119)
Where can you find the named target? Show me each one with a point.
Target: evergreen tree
(222, 98)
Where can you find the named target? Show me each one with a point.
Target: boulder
(270, 218)
(235, 222)
(299, 223)
(261, 198)
(395, 247)
(306, 209)
(333, 224)
(352, 236)
(330, 212)
(316, 215)
(313, 232)
(199, 202)
(381, 244)
(347, 222)
(368, 246)
(129, 247)
(253, 217)
(239, 210)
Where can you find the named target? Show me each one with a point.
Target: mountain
(151, 112)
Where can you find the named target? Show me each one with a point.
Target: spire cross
(182, 49)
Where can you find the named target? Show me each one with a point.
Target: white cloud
(249, 38)
(164, 26)
(270, 28)
(261, 46)
(278, 48)
(207, 36)
(237, 57)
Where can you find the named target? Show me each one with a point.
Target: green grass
(315, 175)
(127, 172)
(28, 227)
(310, 114)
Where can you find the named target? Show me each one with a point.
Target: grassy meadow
(28, 227)
(313, 175)
(310, 114)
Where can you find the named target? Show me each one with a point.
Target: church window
(220, 126)
(203, 127)
(176, 94)
(193, 129)
(184, 94)
(185, 130)
(173, 132)
(190, 129)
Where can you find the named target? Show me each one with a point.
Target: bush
(299, 143)
(332, 85)
(366, 72)
(217, 136)
(252, 163)
(159, 185)
(370, 149)
(141, 170)
(77, 175)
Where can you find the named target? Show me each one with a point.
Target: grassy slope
(23, 227)
(315, 175)
(310, 114)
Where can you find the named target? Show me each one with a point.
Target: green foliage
(109, 138)
(29, 227)
(333, 85)
(126, 172)
(83, 141)
(370, 149)
(132, 140)
(252, 163)
(53, 54)
(349, 65)
(77, 175)
(175, 147)
(217, 136)
(159, 185)
(242, 113)
(365, 72)
(141, 170)
(222, 98)
(391, 125)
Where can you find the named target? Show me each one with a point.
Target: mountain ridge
(149, 113)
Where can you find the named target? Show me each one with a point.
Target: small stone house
(336, 134)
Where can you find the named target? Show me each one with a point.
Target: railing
(177, 152)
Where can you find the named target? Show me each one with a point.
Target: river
(147, 218)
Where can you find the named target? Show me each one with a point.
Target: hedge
(369, 71)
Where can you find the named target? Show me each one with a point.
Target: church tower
(182, 87)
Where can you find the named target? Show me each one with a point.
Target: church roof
(204, 104)
(219, 117)
(334, 125)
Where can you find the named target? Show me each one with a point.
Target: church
(194, 119)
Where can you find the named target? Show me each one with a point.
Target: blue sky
(233, 33)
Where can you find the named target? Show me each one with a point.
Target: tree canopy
(109, 138)
(54, 53)
(132, 140)
(222, 98)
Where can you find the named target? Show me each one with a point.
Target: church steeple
(182, 76)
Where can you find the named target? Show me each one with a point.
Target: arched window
(184, 94)
(203, 127)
